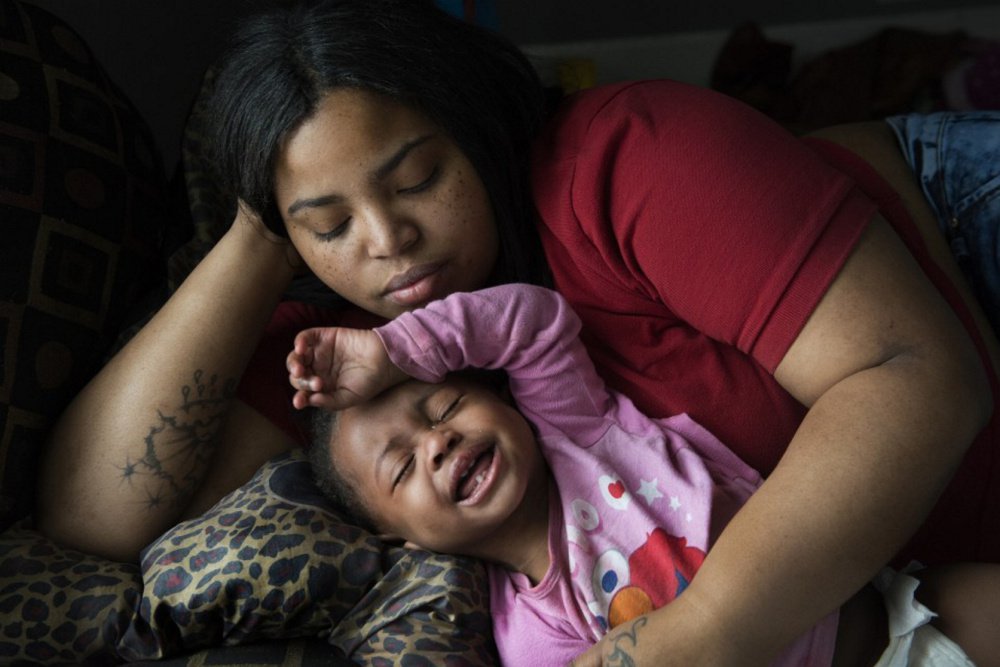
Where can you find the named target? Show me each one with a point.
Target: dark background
(158, 50)
(529, 21)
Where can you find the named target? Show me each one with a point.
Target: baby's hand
(335, 368)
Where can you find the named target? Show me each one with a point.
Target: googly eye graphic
(610, 574)
(585, 514)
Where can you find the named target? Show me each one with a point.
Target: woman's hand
(335, 368)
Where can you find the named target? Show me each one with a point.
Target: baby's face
(450, 467)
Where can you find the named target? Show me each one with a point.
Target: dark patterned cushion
(60, 606)
(82, 215)
(287, 653)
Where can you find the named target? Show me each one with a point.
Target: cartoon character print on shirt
(660, 570)
(653, 575)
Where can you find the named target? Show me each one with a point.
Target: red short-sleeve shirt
(694, 237)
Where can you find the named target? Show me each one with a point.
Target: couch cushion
(61, 606)
(82, 214)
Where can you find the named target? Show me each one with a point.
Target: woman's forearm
(134, 445)
(866, 467)
(835, 511)
(896, 393)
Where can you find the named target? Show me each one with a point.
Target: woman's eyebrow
(312, 202)
(386, 167)
(378, 174)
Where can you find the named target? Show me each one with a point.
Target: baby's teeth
(479, 478)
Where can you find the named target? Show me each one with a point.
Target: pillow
(82, 213)
(300, 652)
(61, 606)
(272, 560)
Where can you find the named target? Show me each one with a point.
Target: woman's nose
(389, 235)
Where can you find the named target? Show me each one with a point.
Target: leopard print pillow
(61, 606)
(271, 560)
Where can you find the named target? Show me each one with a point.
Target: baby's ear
(397, 541)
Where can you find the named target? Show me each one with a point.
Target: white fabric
(913, 642)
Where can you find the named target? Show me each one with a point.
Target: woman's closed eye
(337, 231)
(422, 185)
(342, 227)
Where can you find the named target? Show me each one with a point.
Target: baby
(588, 513)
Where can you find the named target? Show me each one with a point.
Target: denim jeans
(956, 156)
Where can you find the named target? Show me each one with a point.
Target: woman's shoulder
(645, 117)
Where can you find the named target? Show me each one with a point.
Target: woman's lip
(413, 286)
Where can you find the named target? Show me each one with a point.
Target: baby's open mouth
(474, 475)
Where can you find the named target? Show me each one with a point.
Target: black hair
(472, 83)
(339, 490)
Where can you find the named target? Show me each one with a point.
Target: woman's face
(383, 206)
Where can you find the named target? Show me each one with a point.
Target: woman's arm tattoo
(179, 446)
(619, 656)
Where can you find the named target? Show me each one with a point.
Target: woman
(720, 268)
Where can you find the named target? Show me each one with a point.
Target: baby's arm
(336, 367)
(528, 331)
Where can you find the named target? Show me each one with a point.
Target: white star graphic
(675, 503)
(649, 491)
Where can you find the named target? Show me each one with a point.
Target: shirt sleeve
(528, 331)
(698, 202)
